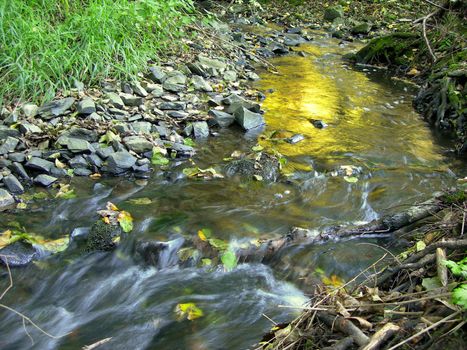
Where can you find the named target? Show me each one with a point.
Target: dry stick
(9, 276)
(96, 344)
(381, 336)
(345, 326)
(441, 267)
(426, 37)
(342, 344)
(434, 325)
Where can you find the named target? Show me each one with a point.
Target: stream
(372, 127)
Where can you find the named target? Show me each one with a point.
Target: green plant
(459, 269)
(47, 44)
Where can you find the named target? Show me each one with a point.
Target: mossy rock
(102, 236)
(267, 168)
(394, 49)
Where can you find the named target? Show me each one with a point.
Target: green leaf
(206, 262)
(258, 177)
(189, 311)
(351, 179)
(218, 244)
(189, 142)
(159, 159)
(257, 148)
(431, 283)
(125, 220)
(419, 246)
(140, 201)
(229, 260)
(204, 234)
(459, 296)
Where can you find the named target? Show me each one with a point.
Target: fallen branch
(426, 37)
(381, 336)
(345, 326)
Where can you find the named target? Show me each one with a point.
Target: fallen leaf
(125, 220)
(189, 311)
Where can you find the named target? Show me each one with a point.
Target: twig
(96, 344)
(426, 37)
(381, 336)
(27, 333)
(270, 319)
(441, 267)
(436, 5)
(9, 276)
(434, 325)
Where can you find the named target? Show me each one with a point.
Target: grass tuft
(46, 44)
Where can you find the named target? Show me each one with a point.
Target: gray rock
(94, 160)
(230, 75)
(80, 234)
(13, 185)
(30, 110)
(141, 127)
(157, 75)
(174, 106)
(78, 162)
(181, 149)
(157, 91)
(200, 84)
(19, 170)
(177, 114)
(57, 107)
(278, 49)
(82, 172)
(252, 76)
(247, 119)
(17, 157)
(6, 199)
(295, 139)
(175, 82)
(138, 89)
(44, 180)
(81, 133)
(331, 13)
(211, 63)
(76, 145)
(234, 101)
(101, 236)
(221, 118)
(8, 145)
(319, 124)
(200, 129)
(120, 160)
(197, 69)
(138, 144)
(29, 128)
(266, 166)
(18, 254)
(131, 100)
(5, 131)
(293, 40)
(362, 28)
(115, 100)
(105, 152)
(86, 106)
(57, 172)
(39, 164)
(11, 119)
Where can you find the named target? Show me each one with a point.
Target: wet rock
(362, 28)
(267, 168)
(247, 119)
(30, 110)
(11, 119)
(80, 234)
(19, 170)
(150, 251)
(29, 128)
(81, 133)
(17, 157)
(78, 162)
(137, 144)
(157, 75)
(6, 199)
(115, 100)
(252, 76)
(200, 84)
(119, 162)
(175, 106)
(177, 114)
(296, 139)
(86, 106)
(18, 254)
(200, 129)
(293, 40)
(331, 13)
(57, 107)
(319, 124)
(221, 118)
(278, 49)
(94, 160)
(44, 180)
(39, 164)
(8, 145)
(5, 131)
(76, 145)
(105, 152)
(82, 172)
(13, 185)
(131, 100)
(181, 149)
(101, 236)
(234, 102)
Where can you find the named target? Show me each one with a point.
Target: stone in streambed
(247, 119)
(200, 129)
(86, 106)
(18, 254)
(8, 145)
(13, 184)
(6, 199)
(44, 180)
(267, 168)
(220, 118)
(119, 162)
(138, 144)
(101, 236)
(39, 164)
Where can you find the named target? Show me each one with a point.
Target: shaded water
(94, 296)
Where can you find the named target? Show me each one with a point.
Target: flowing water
(371, 127)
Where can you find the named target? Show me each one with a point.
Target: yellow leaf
(112, 206)
(95, 176)
(202, 236)
(59, 164)
(189, 311)
(5, 238)
(106, 220)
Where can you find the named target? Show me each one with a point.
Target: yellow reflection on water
(365, 117)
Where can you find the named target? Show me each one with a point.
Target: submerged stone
(18, 254)
(247, 119)
(6, 199)
(101, 236)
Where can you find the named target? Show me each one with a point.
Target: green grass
(46, 44)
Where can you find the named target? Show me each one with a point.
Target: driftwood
(345, 326)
